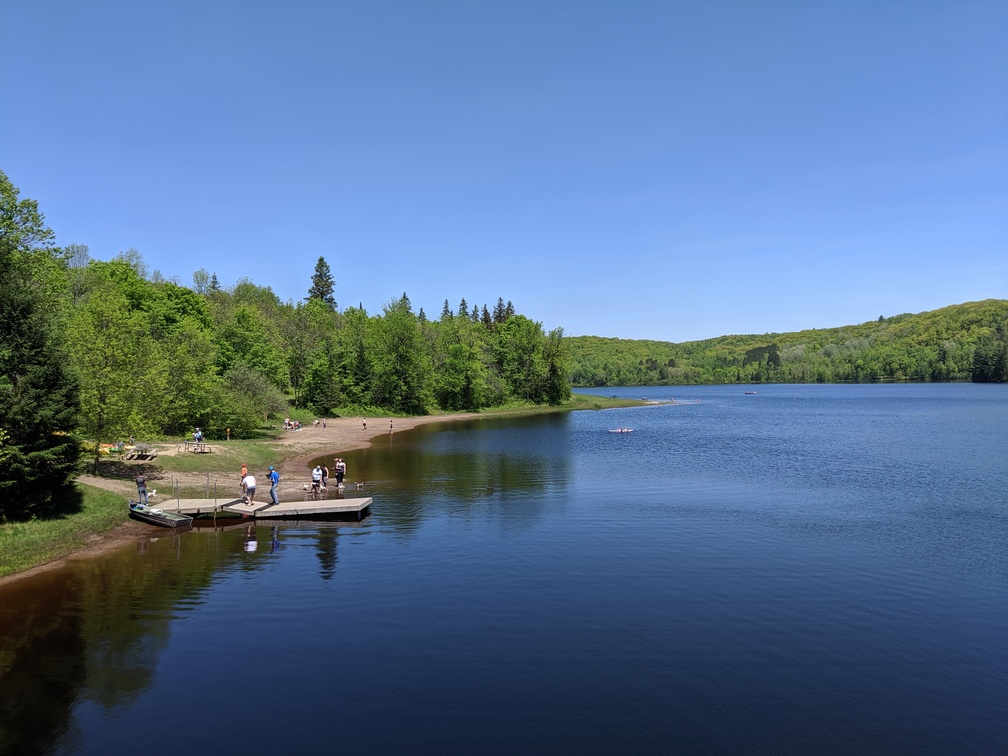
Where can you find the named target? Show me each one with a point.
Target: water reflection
(466, 466)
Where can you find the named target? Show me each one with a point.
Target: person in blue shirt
(274, 477)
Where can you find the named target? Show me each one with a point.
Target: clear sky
(663, 170)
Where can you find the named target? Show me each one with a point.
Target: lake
(806, 568)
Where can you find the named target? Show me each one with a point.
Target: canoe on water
(156, 516)
(621, 430)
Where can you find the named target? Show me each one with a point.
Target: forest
(957, 343)
(98, 351)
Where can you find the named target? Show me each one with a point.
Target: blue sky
(657, 170)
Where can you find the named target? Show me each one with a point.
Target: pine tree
(38, 395)
(446, 313)
(463, 308)
(487, 322)
(214, 283)
(322, 284)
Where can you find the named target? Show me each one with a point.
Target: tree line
(96, 351)
(957, 343)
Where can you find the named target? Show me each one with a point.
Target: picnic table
(141, 451)
(197, 447)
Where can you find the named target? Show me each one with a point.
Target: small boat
(621, 430)
(155, 516)
(750, 392)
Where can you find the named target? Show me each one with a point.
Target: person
(323, 423)
(390, 426)
(316, 480)
(325, 476)
(340, 471)
(141, 482)
(244, 474)
(250, 487)
(274, 477)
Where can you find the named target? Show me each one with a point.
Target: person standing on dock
(274, 477)
(250, 487)
(141, 482)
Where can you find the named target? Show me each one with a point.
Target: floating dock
(357, 508)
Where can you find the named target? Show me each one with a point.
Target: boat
(750, 392)
(621, 430)
(155, 516)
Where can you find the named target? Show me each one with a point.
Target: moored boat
(155, 516)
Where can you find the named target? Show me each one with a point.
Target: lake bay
(806, 568)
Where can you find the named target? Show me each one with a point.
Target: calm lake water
(810, 568)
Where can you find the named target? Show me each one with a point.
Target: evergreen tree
(463, 308)
(498, 312)
(38, 396)
(476, 314)
(509, 310)
(446, 313)
(322, 284)
(214, 283)
(487, 322)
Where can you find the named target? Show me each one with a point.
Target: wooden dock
(357, 508)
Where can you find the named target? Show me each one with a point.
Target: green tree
(402, 366)
(38, 394)
(322, 284)
(113, 354)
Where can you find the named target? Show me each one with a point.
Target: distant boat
(621, 430)
(750, 392)
(154, 516)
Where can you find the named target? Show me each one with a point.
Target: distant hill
(957, 343)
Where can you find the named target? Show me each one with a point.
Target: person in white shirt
(250, 486)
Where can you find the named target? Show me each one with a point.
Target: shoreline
(340, 435)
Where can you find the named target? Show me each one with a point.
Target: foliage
(322, 284)
(38, 394)
(956, 343)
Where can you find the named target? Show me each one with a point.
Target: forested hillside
(97, 351)
(958, 343)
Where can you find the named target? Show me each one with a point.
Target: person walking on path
(141, 482)
(250, 487)
(274, 477)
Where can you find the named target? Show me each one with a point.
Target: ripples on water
(807, 569)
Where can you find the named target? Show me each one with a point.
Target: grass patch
(28, 544)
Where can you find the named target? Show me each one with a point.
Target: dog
(306, 487)
(360, 485)
(152, 493)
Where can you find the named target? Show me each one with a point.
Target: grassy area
(28, 544)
